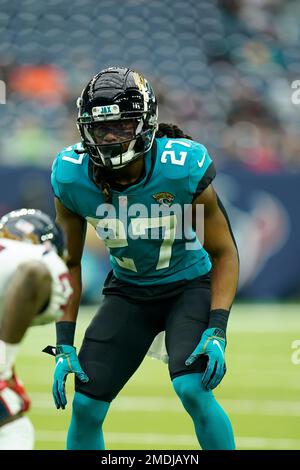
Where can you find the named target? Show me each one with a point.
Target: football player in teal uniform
(141, 185)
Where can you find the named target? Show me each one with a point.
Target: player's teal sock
(212, 425)
(85, 431)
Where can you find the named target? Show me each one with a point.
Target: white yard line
(181, 441)
(43, 401)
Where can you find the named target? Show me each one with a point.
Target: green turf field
(261, 391)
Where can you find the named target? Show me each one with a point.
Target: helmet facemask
(132, 137)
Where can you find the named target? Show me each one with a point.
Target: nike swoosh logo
(59, 361)
(216, 342)
(201, 163)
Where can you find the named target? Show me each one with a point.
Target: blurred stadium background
(223, 71)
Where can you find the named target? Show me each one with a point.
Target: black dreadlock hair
(171, 131)
(100, 175)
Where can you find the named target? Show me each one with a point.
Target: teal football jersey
(143, 226)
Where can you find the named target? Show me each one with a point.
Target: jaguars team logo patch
(139, 81)
(164, 198)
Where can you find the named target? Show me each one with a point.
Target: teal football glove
(66, 363)
(212, 344)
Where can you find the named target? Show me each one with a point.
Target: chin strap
(80, 151)
(108, 163)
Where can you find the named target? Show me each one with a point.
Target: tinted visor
(105, 132)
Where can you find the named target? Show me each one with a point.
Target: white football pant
(17, 435)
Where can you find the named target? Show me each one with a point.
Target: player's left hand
(66, 363)
(212, 344)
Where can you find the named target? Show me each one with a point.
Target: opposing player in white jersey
(34, 290)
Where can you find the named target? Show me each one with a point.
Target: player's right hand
(66, 363)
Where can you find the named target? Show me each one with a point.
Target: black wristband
(218, 318)
(65, 332)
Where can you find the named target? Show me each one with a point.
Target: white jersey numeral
(79, 159)
(138, 228)
(175, 159)
(140, 225)
(76, 161)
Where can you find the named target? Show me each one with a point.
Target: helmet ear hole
(79, 102)
(117, 94)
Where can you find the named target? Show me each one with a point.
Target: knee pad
(88, 410)
(212, 426)
(192, 394)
